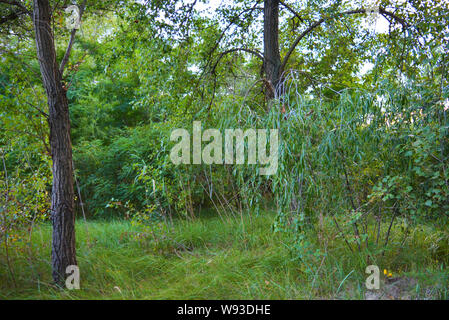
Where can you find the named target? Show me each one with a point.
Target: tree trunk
(272, 57)
(62, 198)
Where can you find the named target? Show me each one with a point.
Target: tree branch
(319, 22)
(217, 43)
(291, 10)
(66, 57)
(10, 17)
(254, 52)
(15, 14)
(17, 4)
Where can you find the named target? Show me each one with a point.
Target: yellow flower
(385, 272)
(390, 275)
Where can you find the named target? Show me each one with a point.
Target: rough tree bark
(62, 199)
(272, 57)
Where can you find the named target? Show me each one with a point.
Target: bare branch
(65, 59)
(252, 51)
(291, 10)
(395, 17)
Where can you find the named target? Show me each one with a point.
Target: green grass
(209, 259)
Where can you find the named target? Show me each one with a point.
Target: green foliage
(362, 176)
(363, 159)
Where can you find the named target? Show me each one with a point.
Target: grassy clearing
(214, 259)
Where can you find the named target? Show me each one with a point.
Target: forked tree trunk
(272, 57)
(62, 198)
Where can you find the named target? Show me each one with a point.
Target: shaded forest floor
(215, 258)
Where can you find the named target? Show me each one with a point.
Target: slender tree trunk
(62, 198)
(272, 57)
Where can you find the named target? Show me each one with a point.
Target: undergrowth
(220, 258)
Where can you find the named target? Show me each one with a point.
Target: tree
(273, 63)
(62, 197)
(272, 56)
